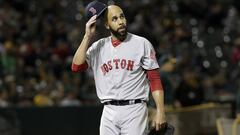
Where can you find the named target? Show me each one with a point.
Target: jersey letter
(116, 61)
(130, 65)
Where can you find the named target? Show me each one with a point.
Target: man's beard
(121, 35)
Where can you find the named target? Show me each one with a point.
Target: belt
(124, 102)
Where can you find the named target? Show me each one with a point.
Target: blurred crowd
(197, 45)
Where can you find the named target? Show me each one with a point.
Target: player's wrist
(160, 110)
(87, 36)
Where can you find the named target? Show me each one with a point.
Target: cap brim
(100, 13)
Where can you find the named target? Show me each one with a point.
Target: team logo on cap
(93, 10)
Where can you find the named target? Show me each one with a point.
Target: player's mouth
(122, 28)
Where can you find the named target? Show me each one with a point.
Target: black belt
(124, 102)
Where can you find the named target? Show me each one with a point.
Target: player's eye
(114, 19)
(122, 16)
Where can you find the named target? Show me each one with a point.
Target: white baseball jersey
(119, 72)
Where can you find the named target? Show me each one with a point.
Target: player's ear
(106, 25)
(106, 19)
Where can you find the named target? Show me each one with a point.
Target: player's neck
(120, 38)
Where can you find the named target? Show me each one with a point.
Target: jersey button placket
(115, 53)
(116, 71)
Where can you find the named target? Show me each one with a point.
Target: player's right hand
(91, 26)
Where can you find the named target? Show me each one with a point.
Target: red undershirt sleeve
(79, 68)
(154, 80)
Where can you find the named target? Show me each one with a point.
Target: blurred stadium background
(198, 49)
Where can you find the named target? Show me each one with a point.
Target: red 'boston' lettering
(130, 65)
(116, 61)
(123, 63)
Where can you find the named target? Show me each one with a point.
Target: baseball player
(125, 70)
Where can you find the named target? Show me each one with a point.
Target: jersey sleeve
(90, 55)
(149, 60)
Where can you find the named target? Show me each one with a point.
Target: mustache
(122, 27)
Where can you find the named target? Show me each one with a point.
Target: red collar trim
(116, 42)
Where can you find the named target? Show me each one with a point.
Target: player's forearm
(158, 96)
(80, 55)
(234, 126)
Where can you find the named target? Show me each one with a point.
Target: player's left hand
(159, 121)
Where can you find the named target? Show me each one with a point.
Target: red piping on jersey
(154, 80)
(79, 68)
(116, 42)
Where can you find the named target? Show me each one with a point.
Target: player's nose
(120, 22)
